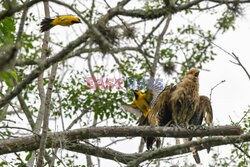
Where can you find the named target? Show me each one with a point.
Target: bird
(140, 105)
(176, 105)
(67, 20)
(141, 108)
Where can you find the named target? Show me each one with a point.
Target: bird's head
(192, 74)
(137, 93)
(75, 20)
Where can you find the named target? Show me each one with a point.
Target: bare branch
(43, 112)
(210, 96)
(239, 63)
(25, 63)
(157, 50)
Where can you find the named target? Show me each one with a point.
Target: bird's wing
(154, 94)
(132, 105)
(206, 108)
(132, 110)
(157, 109)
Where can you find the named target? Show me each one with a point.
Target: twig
(14, 127)
(244, 116)
(116, 141)
(239, 63)
(210, 96)
(244, 152)
(157, 50)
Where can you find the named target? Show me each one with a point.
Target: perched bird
(48, 23)
(176, 105)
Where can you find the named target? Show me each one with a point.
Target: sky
(229, 99)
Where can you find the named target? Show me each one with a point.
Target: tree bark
(30, 143)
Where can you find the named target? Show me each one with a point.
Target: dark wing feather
(159, 114)
(165, 111)
(204, 110)
(205, 106)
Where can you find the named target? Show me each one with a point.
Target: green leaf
(6, 77)
(28, 156)
(13, 74)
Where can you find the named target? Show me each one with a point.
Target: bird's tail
(196, 155)
(45, 24)
(150, 141)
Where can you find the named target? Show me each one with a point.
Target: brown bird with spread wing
(177, 104)
(180, 105)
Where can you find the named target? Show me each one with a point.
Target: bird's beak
(197, 74)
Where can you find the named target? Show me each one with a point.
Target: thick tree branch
(185, 148)
(230, 1)
(30, 143)
(134, 158)
(156, 13)
(25, 63)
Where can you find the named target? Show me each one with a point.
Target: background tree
(46, 78)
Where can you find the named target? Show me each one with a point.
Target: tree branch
(157, 50)
(62, 54)
(185, 148)
(14, 9)
(30, 143)
(43, 66)
(239, 64)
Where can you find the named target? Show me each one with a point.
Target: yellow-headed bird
(48, 23)
(141, 108)
(141, 101)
